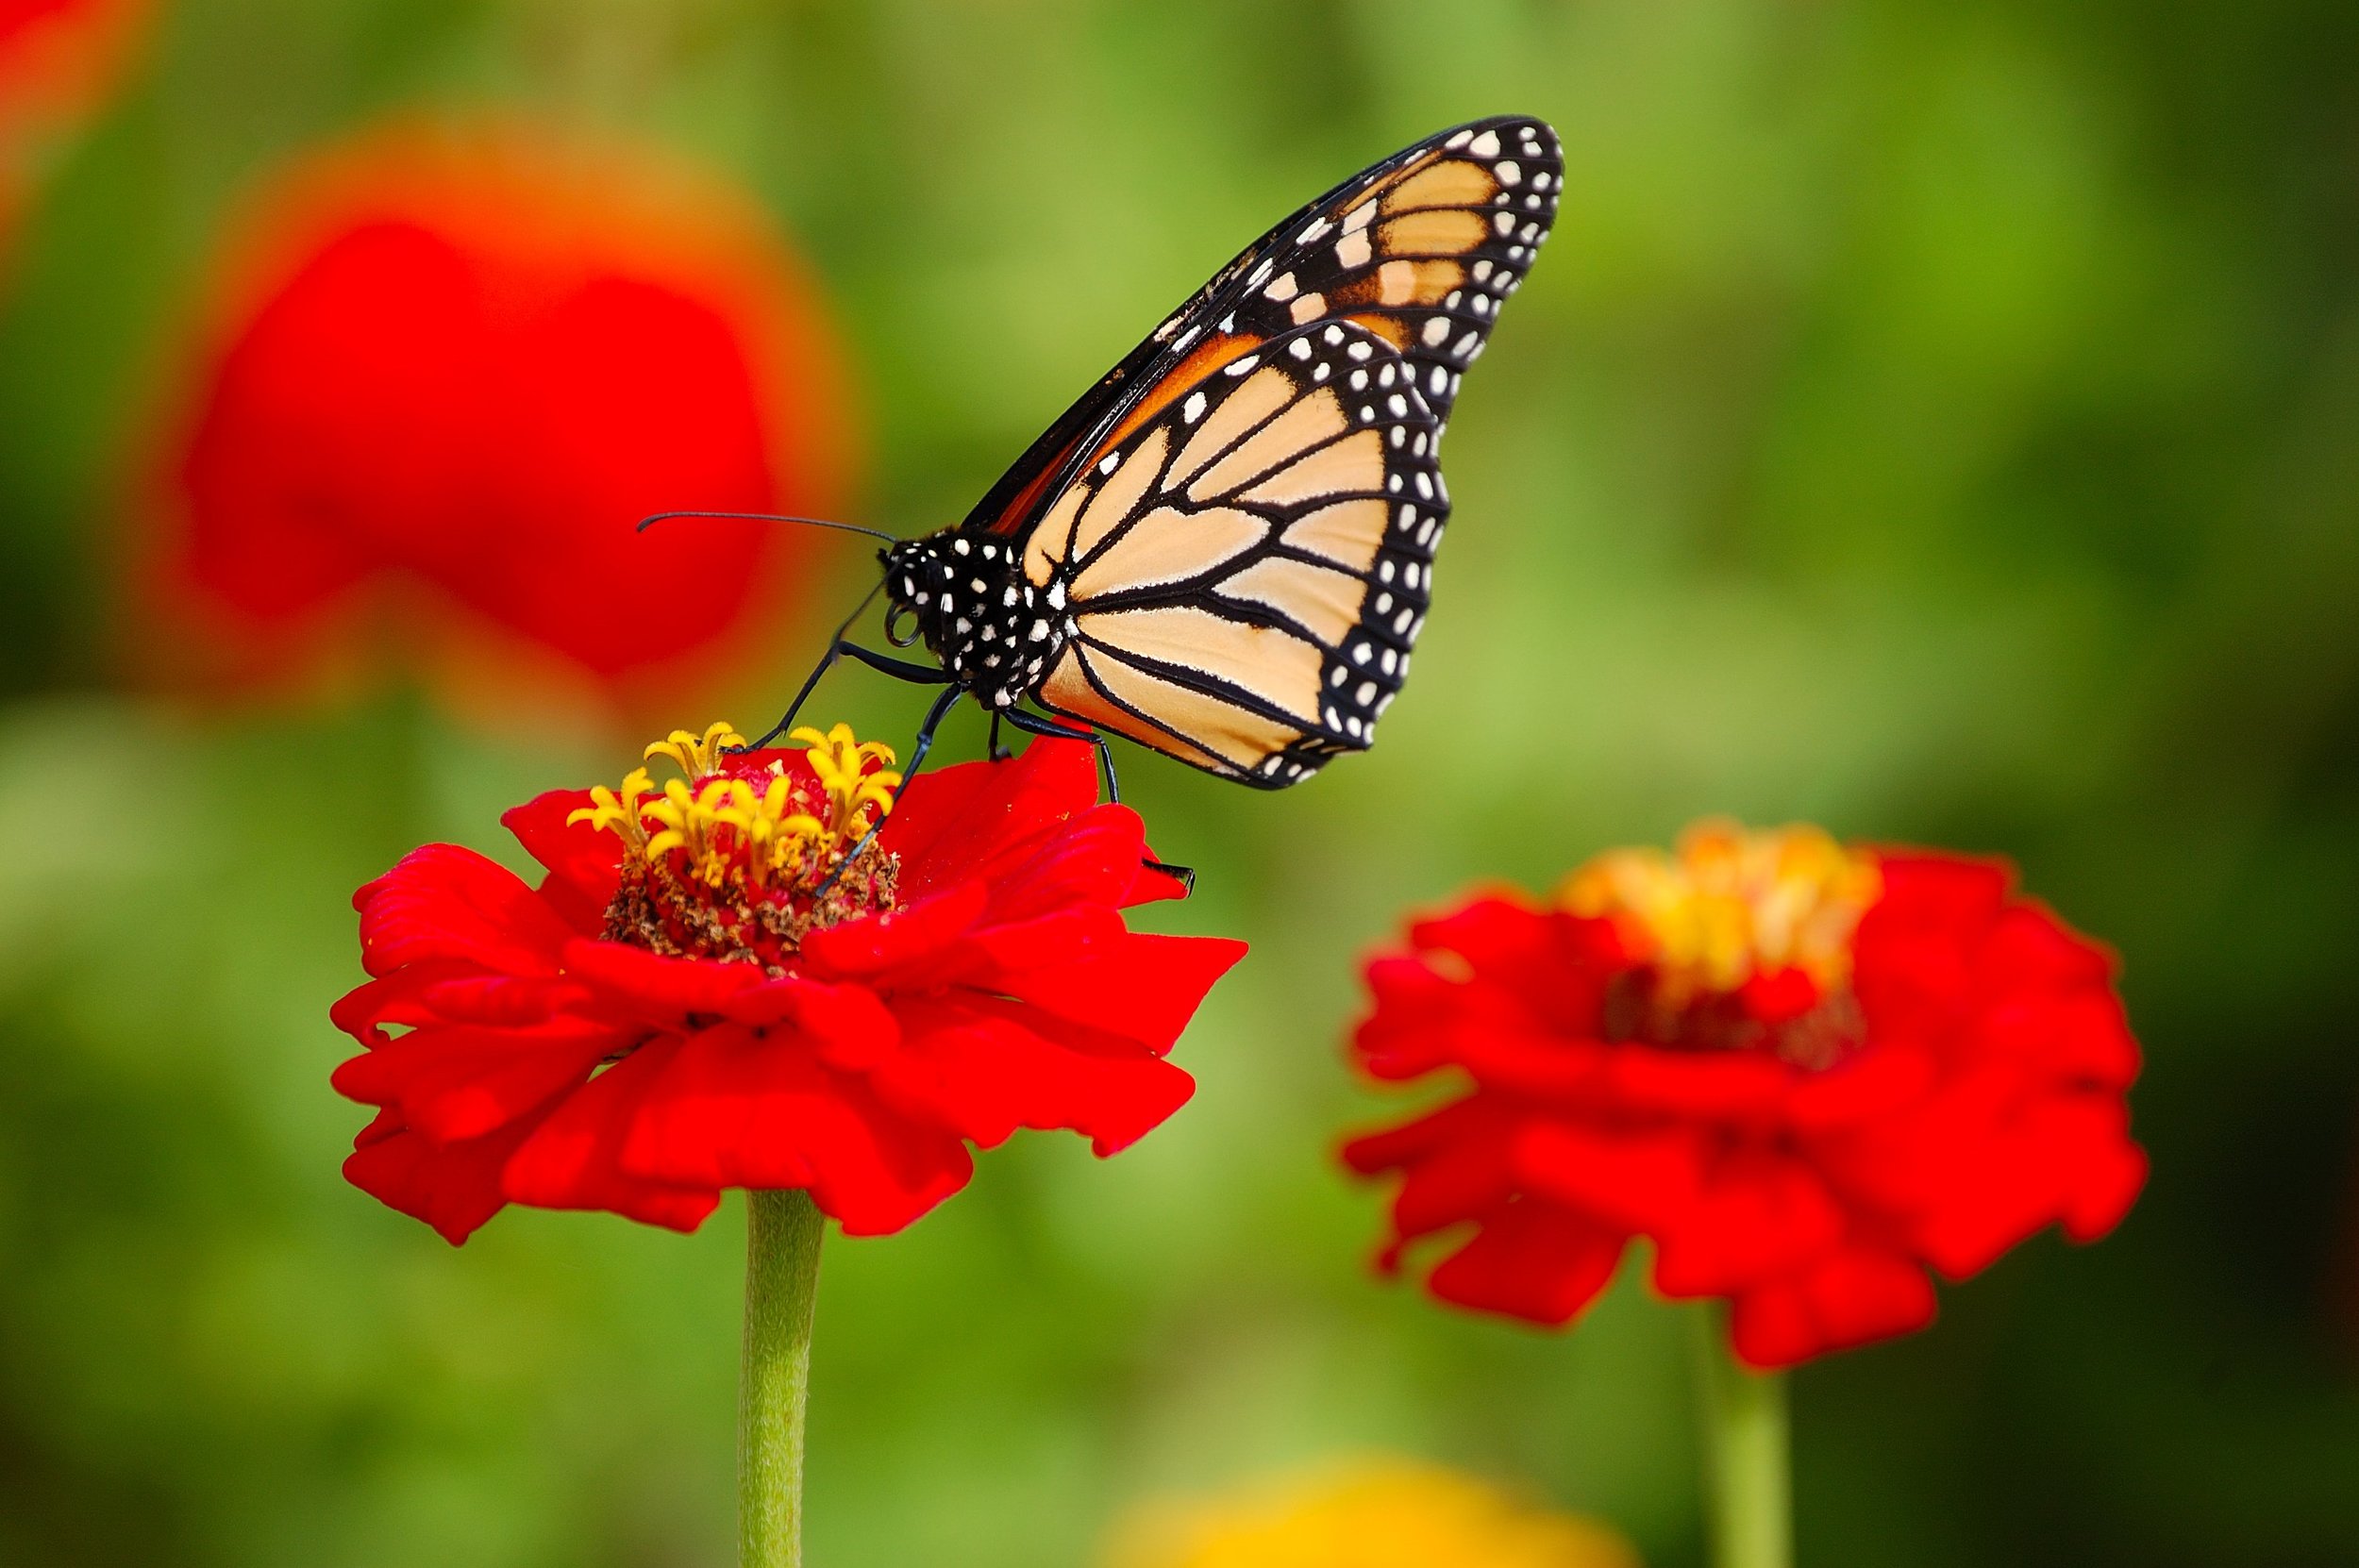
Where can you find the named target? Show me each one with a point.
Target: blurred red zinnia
(711, 989)
(448, 371)
(1805, 1074)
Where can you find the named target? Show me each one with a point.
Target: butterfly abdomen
(993, 631)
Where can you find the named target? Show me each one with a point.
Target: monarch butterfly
(1223, 550)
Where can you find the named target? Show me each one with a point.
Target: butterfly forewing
(1244, 571)
(1422, 249)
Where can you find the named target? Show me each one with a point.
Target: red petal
(737, 1110)
(1391, 1148)
(570, 1162)
(444, 902)
(1931, 888)
(1554, 966)
(2028, 946)
(877, 948)
(1877, 1083)
(498, 1000)
(1462, 1179)
(1065, 935)
(1536, 1066)
(1498, 933)
(453, 1082)
(1530, 1261)
(2081, 1036)
(399, 999)
(847, 1026)
(1913, 955)
(967, 820)
(1144, 988)
(1757, 1213)
(1094, 858)
(1623, 1179)
(2027, 1173)
(1736, 1087)
(984, 1067)
(452, 1187)
(1853, 1298)
(1424, 1020)
(659, 992)
(2110, 1183)
(584, 862)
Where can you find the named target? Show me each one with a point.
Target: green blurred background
(1940, 422)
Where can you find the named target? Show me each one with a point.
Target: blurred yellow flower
(1366, 1513)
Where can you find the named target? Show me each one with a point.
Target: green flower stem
(1748, 1487)
(781, 1284)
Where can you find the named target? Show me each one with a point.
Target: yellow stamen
(697, 757)
(838, 760)
(620, 813)
(739, 860)
(761, 833)
(1729, 905)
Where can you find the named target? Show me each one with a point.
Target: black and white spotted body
(995, 632)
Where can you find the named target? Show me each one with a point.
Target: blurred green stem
(1747, 1483)
(782, 1285)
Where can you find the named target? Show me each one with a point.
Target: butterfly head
(993, 630)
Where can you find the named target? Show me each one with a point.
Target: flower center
(1743, 939)
(746, 854)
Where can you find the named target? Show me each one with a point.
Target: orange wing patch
(1441, 182)
(1213, 354)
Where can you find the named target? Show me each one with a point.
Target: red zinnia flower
(703, 992)
(1804, 1075)
(450, 371)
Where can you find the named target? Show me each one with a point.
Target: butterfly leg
(998, 752)
(923, 744)
(900, 669)
(826, 661)
(1031, 724)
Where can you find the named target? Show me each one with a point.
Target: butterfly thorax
(993, 631)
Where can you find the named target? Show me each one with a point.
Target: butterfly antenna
(647, 523)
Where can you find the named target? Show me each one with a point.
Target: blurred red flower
(57, 59)
(1804, 1075)
(452, 369)
(703, 994)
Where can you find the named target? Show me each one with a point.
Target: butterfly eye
(900, 626)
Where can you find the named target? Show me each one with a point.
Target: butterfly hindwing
(1244, 574)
